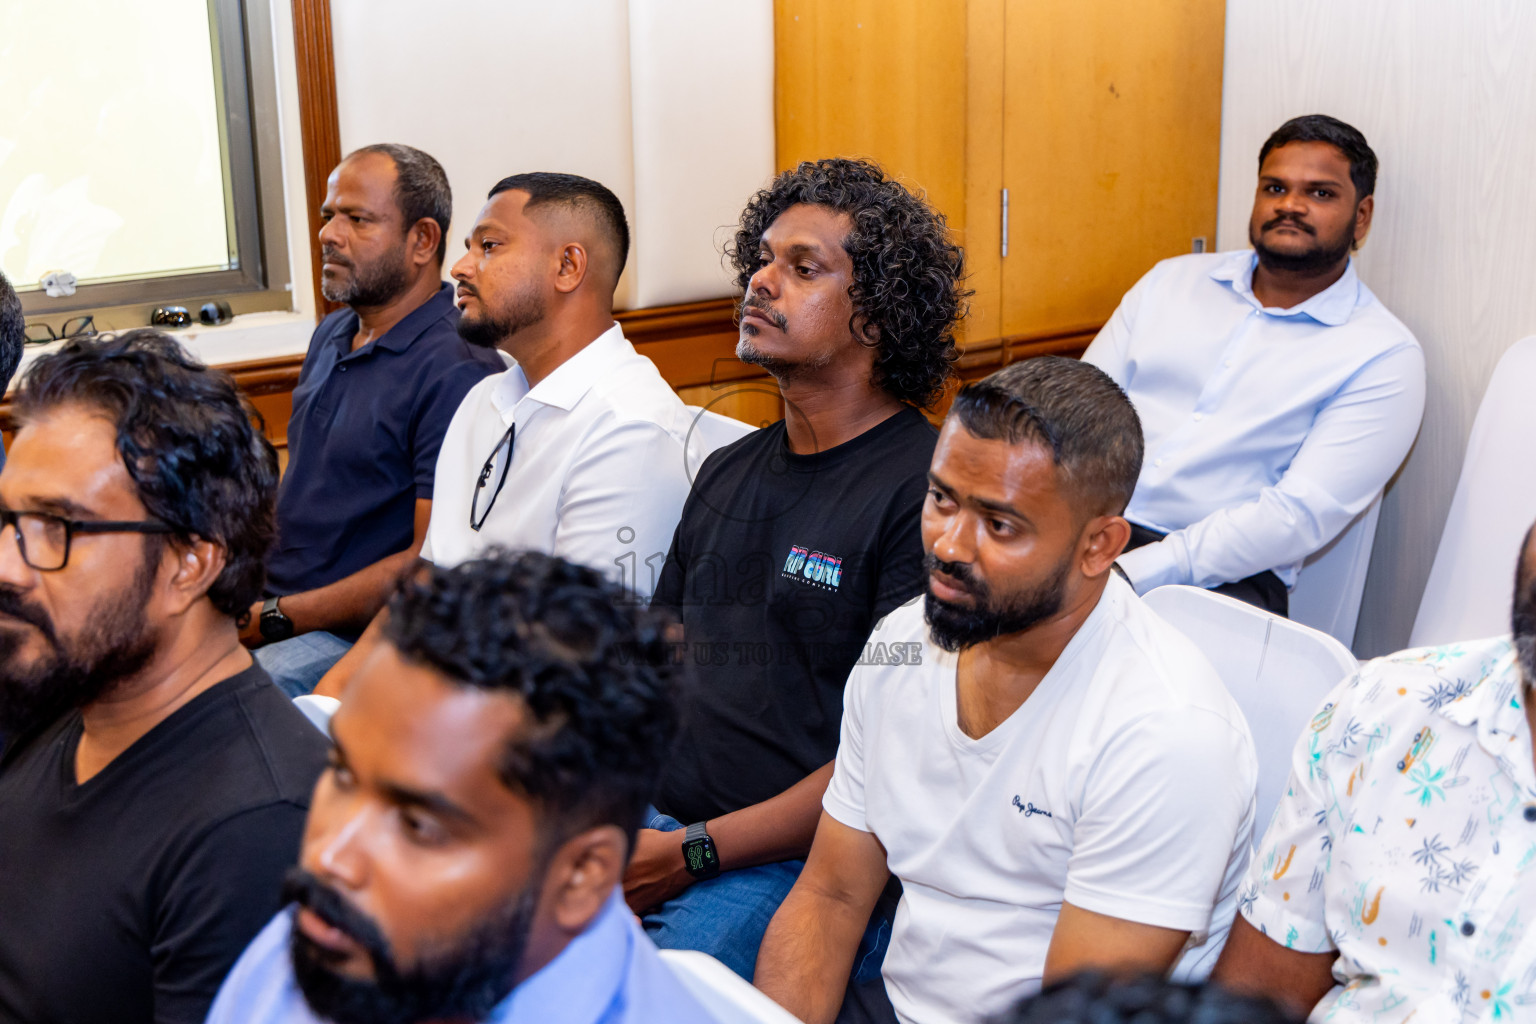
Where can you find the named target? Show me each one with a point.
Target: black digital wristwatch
(699, 856)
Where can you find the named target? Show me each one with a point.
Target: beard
(955, 627)
(371, 284)
(1318, 257)
(75, 671)
(465, 981)
(489, 328)
(783, 370)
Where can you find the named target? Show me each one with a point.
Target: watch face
(275, 625)
(699, 855)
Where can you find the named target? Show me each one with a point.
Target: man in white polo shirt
(1057, 777)
(578, 450)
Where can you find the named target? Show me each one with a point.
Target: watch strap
(269, 606)
(695, 831)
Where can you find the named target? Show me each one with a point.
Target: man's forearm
(779, 828)
(350, 603)
(334, 682)
(807, 953)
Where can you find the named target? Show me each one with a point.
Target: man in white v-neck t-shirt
(1056, 775)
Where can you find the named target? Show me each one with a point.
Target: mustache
(1292, 219)
(961, 572)
(303, 888)
(759, 305)
(12, 605)
(328, 254)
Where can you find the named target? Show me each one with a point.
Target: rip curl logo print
(816, 568)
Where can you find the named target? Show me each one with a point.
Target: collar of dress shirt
(577, 986)
(1492, 705)
(569, 381)
(1332, 306)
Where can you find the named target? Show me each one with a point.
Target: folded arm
(1358, 440)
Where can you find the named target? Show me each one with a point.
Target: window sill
(246, 338)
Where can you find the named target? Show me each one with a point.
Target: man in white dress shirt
(578, 450)
(1057, 776)
(1277, 394)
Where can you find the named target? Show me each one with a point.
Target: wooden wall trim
(318, 125)
(693, 345)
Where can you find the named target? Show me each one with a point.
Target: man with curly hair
(795, 541)
(493, 760)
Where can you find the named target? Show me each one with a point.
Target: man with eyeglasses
(578, 450)
(155, 787)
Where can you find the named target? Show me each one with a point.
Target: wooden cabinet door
(1111, 132)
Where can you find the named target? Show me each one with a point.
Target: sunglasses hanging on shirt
(476, 517)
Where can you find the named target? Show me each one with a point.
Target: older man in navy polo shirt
(379, 386)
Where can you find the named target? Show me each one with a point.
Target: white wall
(497, 87)
(1446, 95)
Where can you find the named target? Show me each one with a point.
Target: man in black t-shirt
(155, 787)
(794, 541)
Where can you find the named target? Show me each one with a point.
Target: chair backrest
(1328, 590)
(1472, 580)
(1276, 670)
(710, 431)
(721, 991)
(318, 710)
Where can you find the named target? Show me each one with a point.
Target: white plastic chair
(1473, 578)
(318, 710)
(710, 431)
(1331, 582)
(721, 992)
(1276, 670)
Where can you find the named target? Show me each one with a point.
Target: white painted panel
(1446, 94)
(490, 88)
(702, 92)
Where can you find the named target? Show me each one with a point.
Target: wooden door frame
(319, 127)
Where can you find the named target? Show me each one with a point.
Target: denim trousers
(296, 664)
(726, 916)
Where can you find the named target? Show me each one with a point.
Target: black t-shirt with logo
(780, 567)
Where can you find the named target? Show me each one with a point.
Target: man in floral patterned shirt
(1397, 877)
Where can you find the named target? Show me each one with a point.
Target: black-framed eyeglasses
(44, 539)
(76, 327)
(477, 518)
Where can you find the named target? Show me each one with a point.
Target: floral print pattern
(1406, 839)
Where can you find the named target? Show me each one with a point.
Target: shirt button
(343, 369)
(1530, 814)
(1199, 417)
(1227, 364)
(1157, 462)
(1467, 928)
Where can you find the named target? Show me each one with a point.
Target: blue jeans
(296, 664)
(727, 915)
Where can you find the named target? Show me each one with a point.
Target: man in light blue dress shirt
(464, 849)
(1277, 394)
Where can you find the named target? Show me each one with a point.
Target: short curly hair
(907, 274)
(1099, 998)
(593, 668)
(192, 445)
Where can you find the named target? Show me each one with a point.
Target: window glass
(111, 163)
